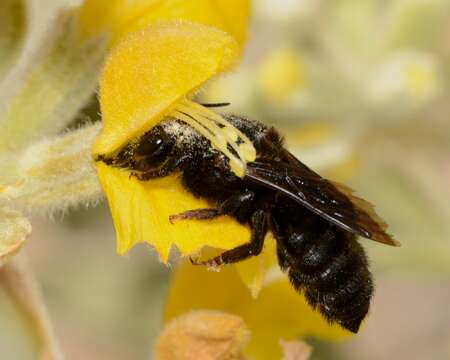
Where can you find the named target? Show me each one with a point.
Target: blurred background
(361, 90)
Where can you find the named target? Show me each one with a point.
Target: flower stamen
(222, 134)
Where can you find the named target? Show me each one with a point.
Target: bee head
(154, 146)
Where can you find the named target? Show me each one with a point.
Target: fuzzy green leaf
(62, 78)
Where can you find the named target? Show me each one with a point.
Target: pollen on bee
(222, 134)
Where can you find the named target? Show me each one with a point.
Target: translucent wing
(334, 202)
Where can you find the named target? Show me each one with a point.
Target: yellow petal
(141, 212)
(254, 271)
(151, 70)
(97, 16)
(228, 15)
(278, 312)
(121, 17)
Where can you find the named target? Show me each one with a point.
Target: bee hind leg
(229, 206)
(244, 251)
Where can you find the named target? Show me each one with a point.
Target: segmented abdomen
(330, 267)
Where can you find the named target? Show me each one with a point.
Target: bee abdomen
(347, 305)
(337, 281)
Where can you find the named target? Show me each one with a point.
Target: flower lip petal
(141, 213)
(151, 70)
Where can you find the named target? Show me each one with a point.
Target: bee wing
(334, 202)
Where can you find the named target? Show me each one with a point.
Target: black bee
(315, 222)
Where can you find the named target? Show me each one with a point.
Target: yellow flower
(151, 74)
(122, 17)
(279, 312)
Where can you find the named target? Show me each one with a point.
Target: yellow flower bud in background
(203, 334)
(281, 75)
(408, 77)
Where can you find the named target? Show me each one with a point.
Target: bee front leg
(164, 170)
(229, 206)
(242, 252)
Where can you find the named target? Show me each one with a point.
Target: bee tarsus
(244, 251)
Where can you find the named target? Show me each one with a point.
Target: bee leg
(164, 170)
(229, 206)
(198, 214)
(213, 105)
(244, 251)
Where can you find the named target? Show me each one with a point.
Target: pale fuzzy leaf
(14, 228)
(57, 173)
(53, 85)
(12, 20)
(8, 169)
(16, 279)
(203, 334)
(38, 20)
(295, 350)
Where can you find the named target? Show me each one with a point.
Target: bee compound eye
(152, 144)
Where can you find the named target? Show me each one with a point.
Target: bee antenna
(210, 105)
